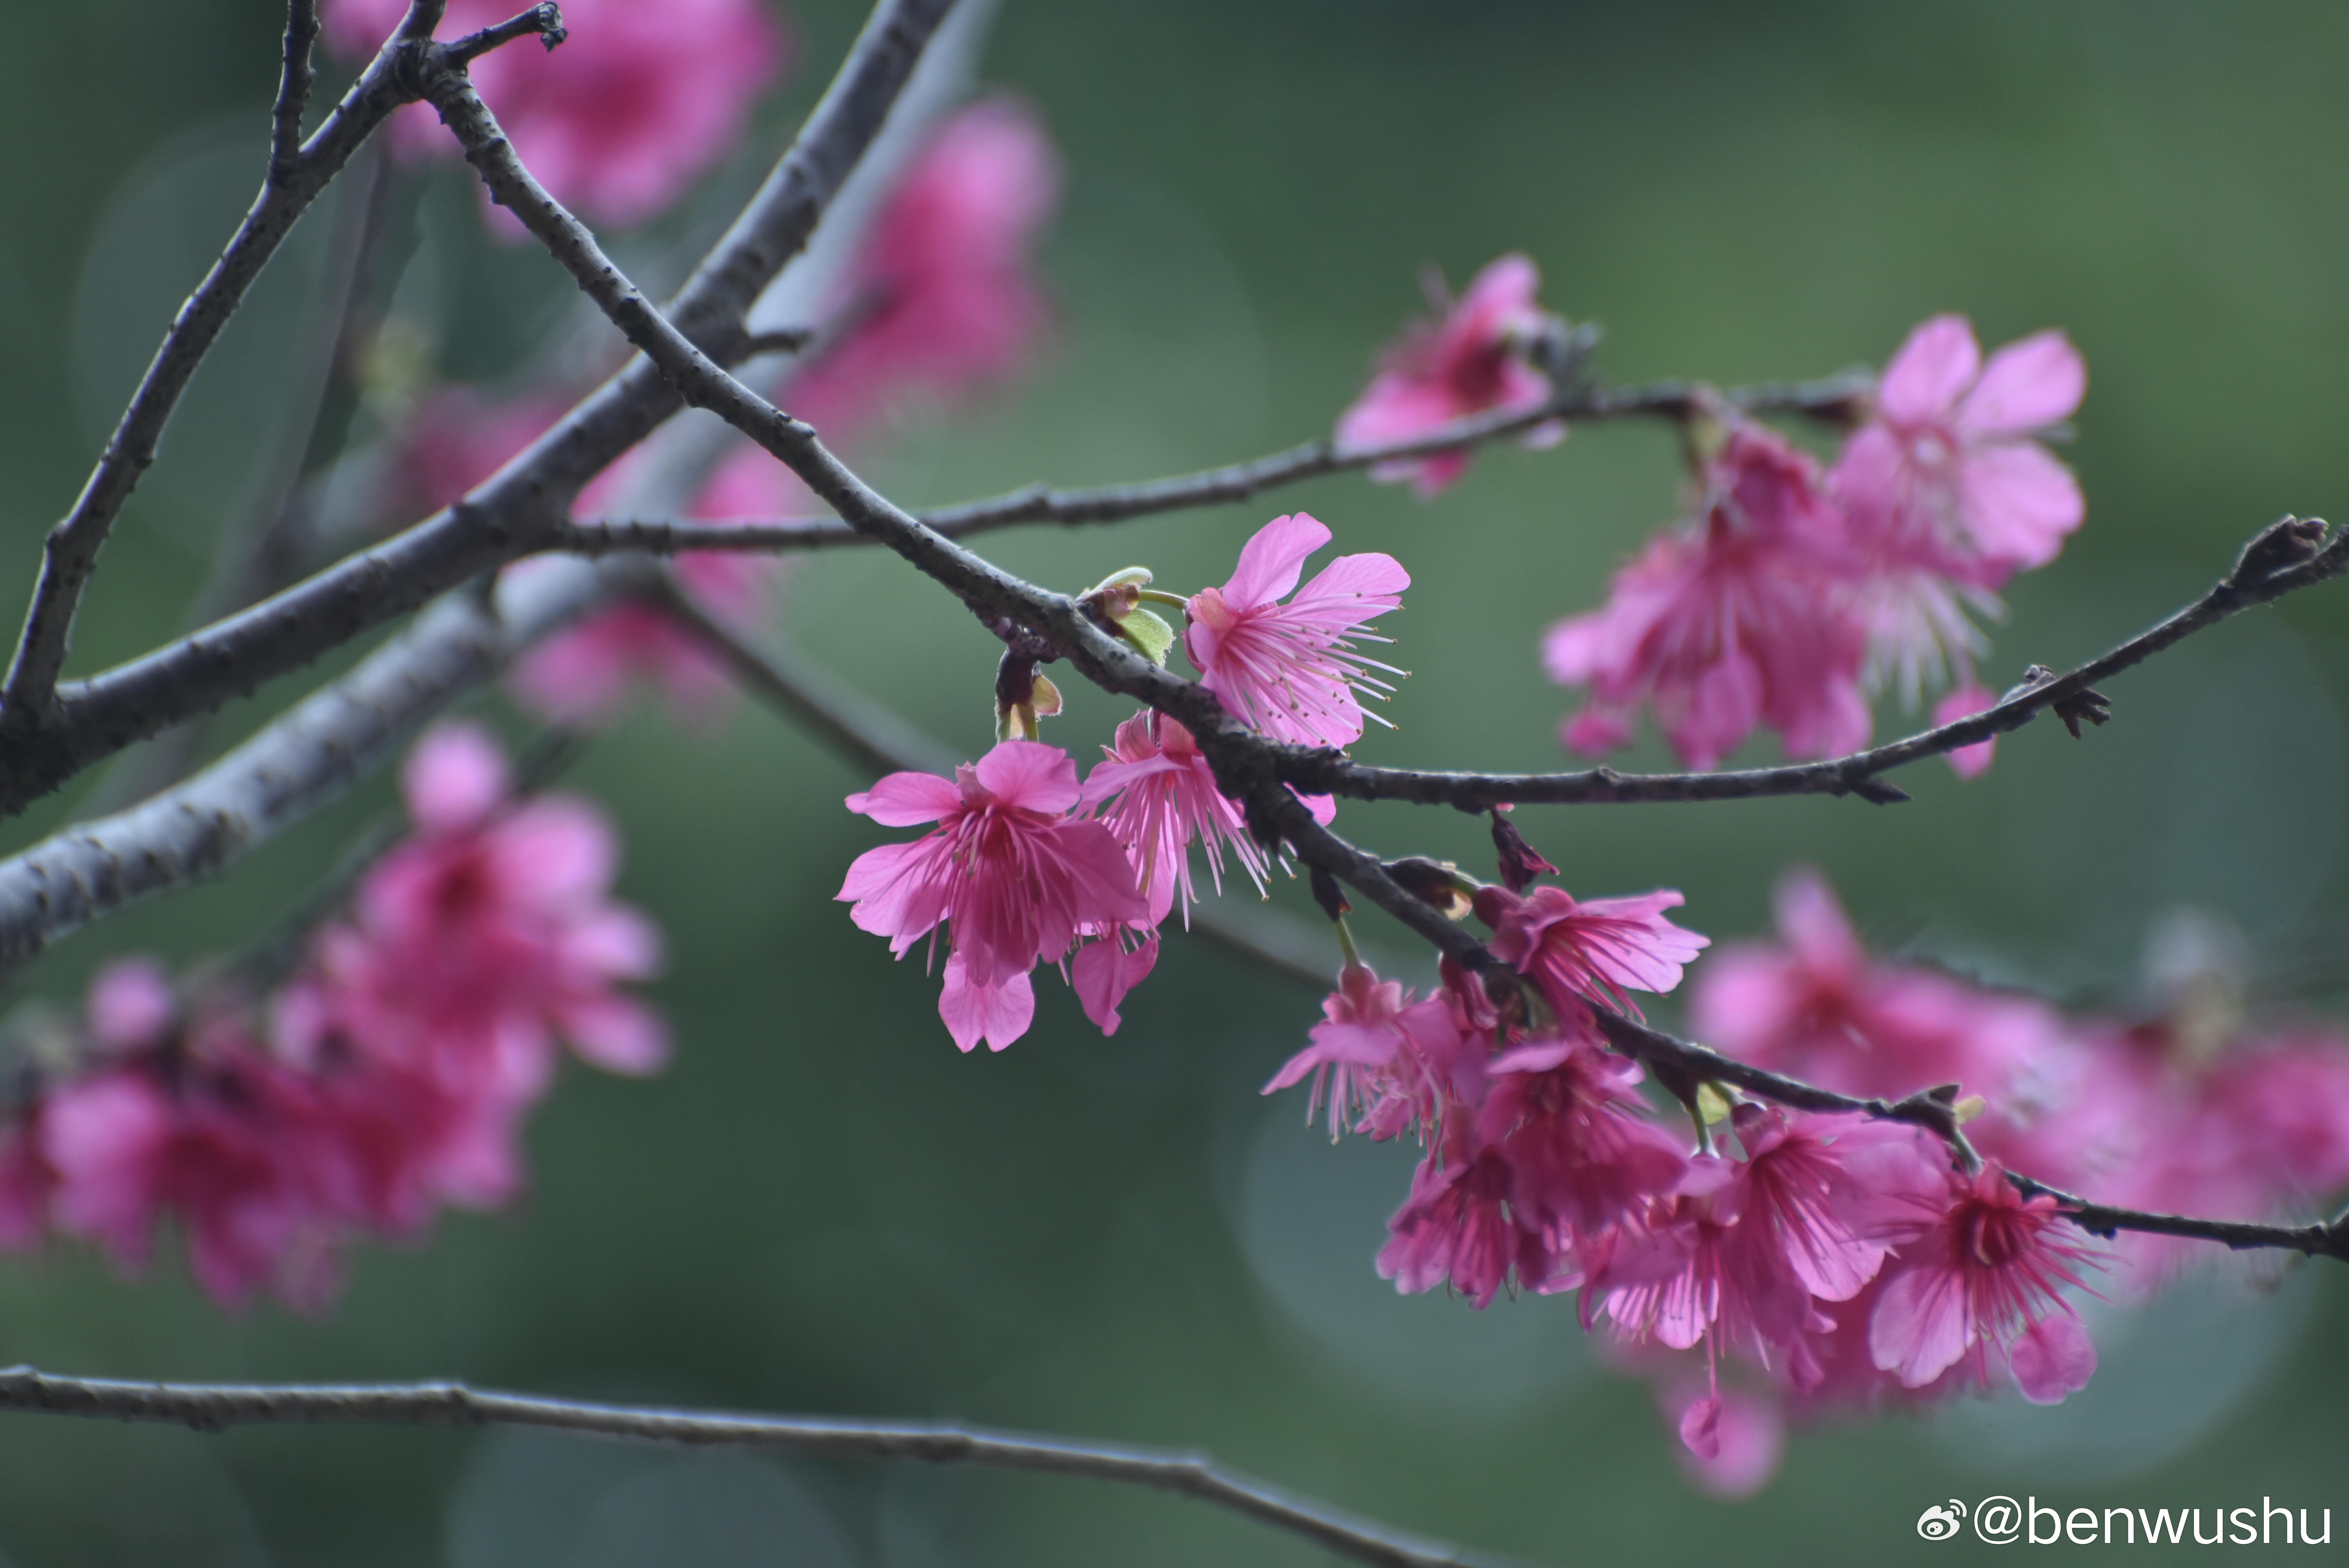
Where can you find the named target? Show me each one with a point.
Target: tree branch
(2257, 579)
(27, 701)
(867, 735)
(293, 91)
(1933, 1109)
(1208, 487)
(543, 23)
(94, 718)
(213, 1407)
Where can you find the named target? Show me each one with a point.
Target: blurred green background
(822, 1207)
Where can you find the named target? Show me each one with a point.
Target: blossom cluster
(1846, 1263)
(1028, 865)
(386, 1079)
(1796, 589)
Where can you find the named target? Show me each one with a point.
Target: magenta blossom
(1456, 1230)
(1592, 951)
(1156, 793)
(1744, 618)
(1471, 361)
(1384, 1062)
(1289, 670)
(636, 104)
(1977, 1275)
(1582, 1154)
(1011, 874)
(1948, 495)
(230, 1147)
(480, 941)
(942, 297)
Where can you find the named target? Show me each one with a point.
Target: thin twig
(94, 719)
(1331, 773)
(543, 23)
(1208, 487)
(293, 91)
(28, 702)
(212, 1407)
(869, 737)
(311, 755)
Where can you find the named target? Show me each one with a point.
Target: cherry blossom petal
(2029, 385)
(1932, 370)
(2019, 503)
(999, 1013)
(908, 799)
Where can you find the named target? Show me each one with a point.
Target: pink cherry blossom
(1582, 1154)
(1384, 1063)
(1978, 1274)
(1012, 875)
(1744, 618)
(1592, 951)
(1441, 371)
(941, 297)
(226, 1146)
(635, 105)
(1289, 670)
(1946, 474)
(1456, 1230)
(1155, 794)
(476, 943)
(1948, 495)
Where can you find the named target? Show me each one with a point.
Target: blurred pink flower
(1742, 619)
(1012, 875)
(636, 104)
(230, 1146)
(479, 942)
(1289, 670)
(1732, 1441)
(1963, 702)
(941, 297)
(585, 675)
(1819, 1008)
(1441, 371)
(25, 1180)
